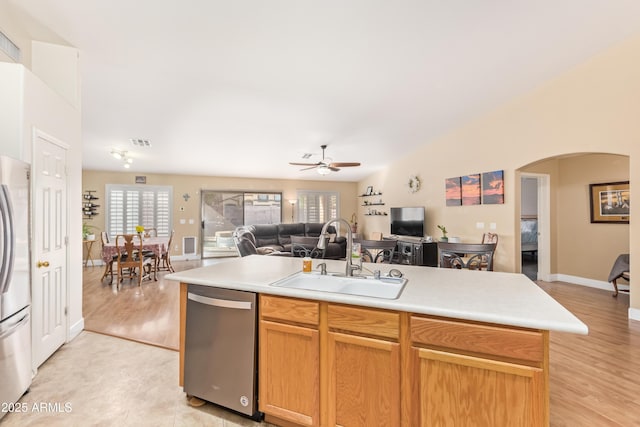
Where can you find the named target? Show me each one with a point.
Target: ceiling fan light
(117, 154)
(323, 170)
(127, 165)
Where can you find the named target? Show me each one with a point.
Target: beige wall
(192, 185)
(578, 247)
(591, 109)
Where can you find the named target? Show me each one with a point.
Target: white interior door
(49, 246)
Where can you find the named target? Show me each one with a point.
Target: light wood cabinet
(364, 381)
(363, 366)
(477, 374)
(289, 366)
(326, 364)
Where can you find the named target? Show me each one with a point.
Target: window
(131, 205)
(317, 206)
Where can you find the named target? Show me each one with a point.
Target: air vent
(188, 245)
(307, 155)
(143, 143)
(8, 47)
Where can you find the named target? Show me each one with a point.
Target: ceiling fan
(325, 167)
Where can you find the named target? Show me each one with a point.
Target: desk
(88, 244)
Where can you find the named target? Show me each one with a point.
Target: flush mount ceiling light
(118, 154)
(122, 155)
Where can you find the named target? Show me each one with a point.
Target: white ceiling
(242, 87)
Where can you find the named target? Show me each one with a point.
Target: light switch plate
(492, 226)
(480, 225)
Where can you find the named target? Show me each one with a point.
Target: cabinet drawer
(487, 339)
(289, 310)
(379, 323)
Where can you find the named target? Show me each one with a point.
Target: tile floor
(98, 380)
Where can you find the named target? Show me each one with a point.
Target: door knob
(43, 264)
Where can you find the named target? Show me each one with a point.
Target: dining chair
(165, 257)
(131, 259)
(304, 246)
(377, 251)
(108, 268)
(471, 256)
(490, 238)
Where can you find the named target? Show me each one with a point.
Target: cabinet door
(364, 381)
(459, 390)
(289, 372)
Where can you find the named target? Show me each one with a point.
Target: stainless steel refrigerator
(15, 281)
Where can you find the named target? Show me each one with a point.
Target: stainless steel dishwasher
(220, 361)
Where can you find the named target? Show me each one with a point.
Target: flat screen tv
(407, 221)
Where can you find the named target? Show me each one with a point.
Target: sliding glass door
(223, 211)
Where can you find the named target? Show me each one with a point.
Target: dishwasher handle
(216, 302)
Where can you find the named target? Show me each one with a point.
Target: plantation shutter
(129, 206)
(318, 206)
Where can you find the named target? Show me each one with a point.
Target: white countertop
(494, 297)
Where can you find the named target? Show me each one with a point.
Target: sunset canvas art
(453, 191)
(493, 188)
(471, 189)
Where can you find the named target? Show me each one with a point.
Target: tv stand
(415, 251)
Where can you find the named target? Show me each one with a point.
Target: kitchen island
(455, 346)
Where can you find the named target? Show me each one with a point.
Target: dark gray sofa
(277, 238)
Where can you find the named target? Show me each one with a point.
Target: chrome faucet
(322, 243)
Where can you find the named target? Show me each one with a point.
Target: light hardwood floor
(594, 379)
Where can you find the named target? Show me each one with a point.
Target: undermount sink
(368, 286)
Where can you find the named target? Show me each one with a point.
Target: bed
(529, 236)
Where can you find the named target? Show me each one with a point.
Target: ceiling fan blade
(310, 167)
(343, 164)
(333, 168)
(304, 164)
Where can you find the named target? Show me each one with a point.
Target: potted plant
(87, 234)
(444, 237)
(354, 223)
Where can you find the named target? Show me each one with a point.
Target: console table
(415, 252)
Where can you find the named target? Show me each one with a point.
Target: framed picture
(470, 189)
(141, 179)
(369, 191)
(610, 202)
(453, 191)
(493, 188)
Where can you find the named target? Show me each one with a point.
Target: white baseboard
(76, 328)
(576, 280)
(634, 313)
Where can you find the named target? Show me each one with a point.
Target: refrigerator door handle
(11, 328)
(216, 302)
(7, 243)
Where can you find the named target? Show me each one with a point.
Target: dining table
(157, 245)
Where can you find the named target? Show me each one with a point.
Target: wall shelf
(89, 208)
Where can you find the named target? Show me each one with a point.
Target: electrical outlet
(190, 220)
(492, 226)
(480, 225)
(183, 221)
(175, 247)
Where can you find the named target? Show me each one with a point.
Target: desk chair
(472, 256)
